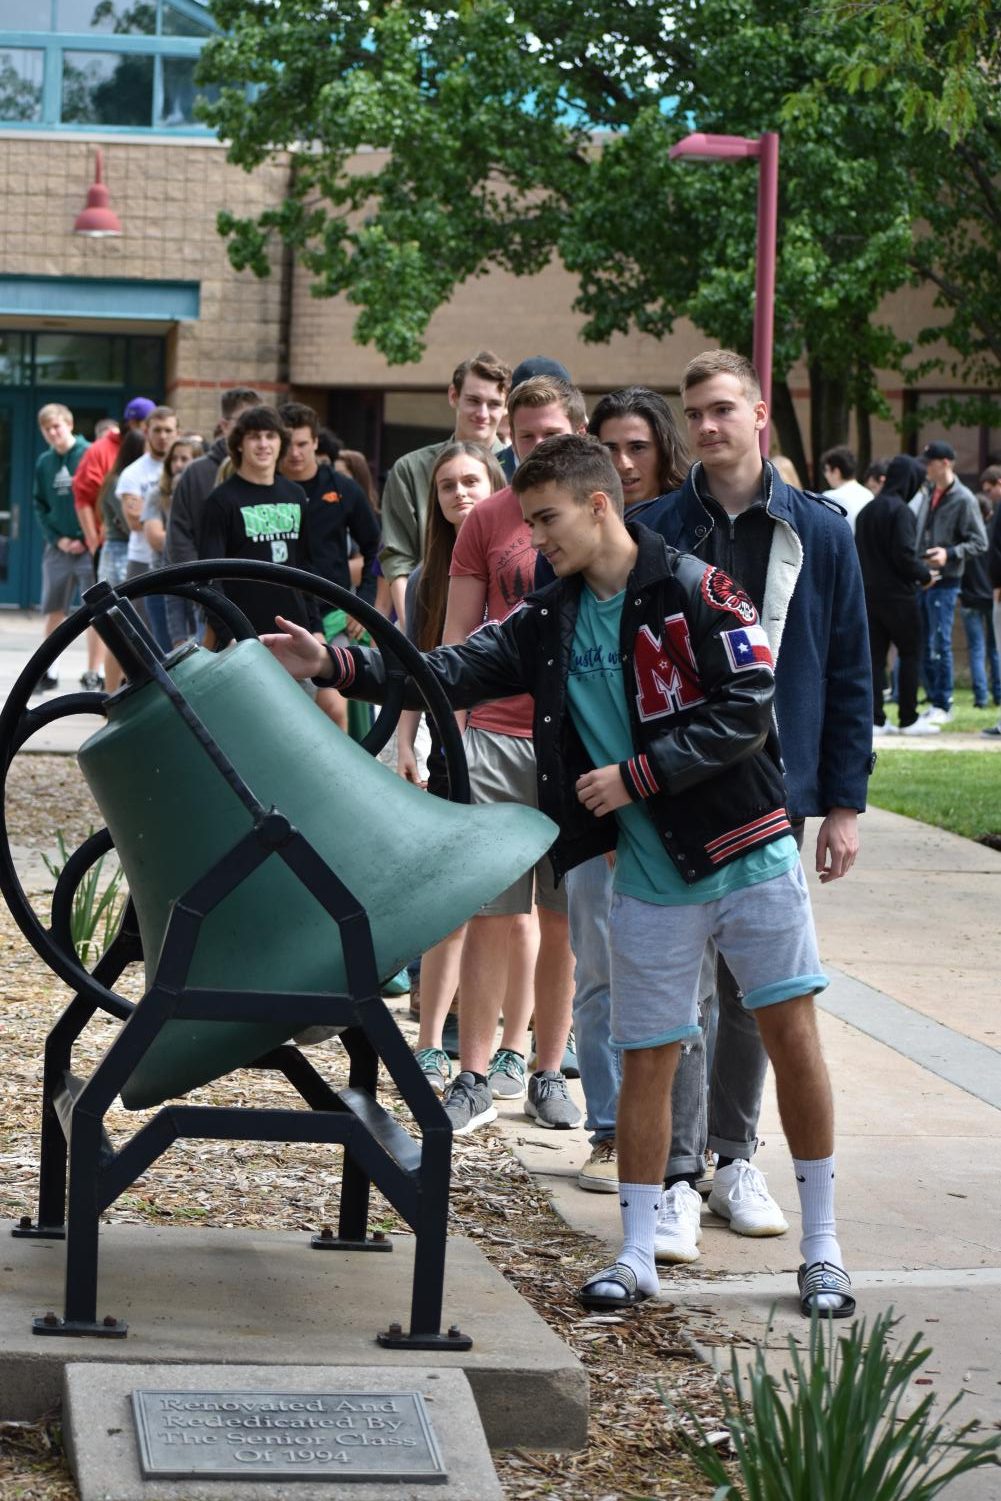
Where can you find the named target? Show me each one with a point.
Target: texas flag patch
(748, 647)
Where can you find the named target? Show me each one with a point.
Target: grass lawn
(956, 790)
(966, 720)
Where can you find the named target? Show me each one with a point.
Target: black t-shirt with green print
(267, 522)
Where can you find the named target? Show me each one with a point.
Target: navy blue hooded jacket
(814, 614)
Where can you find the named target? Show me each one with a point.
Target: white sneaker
(679, 1225)
(935, 715)
(922, 727)
(739, 1194)
(886, 728)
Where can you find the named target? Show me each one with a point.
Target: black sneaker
(468, 1104)
(92, 681)
(47, 682)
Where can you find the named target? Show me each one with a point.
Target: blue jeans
(938, 611)
(983, 649)
(589, 891)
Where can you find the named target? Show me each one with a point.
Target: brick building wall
(167, 195)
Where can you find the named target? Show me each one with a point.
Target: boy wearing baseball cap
(949, 531)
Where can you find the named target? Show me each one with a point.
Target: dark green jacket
(53, 492)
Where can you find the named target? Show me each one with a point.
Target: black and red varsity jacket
(699, 682)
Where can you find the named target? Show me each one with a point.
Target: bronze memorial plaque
(281, 1435)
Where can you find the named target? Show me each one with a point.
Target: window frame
(158, 45)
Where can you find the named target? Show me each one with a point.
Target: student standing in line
(67, 563)
(464, 474)
(792, 553)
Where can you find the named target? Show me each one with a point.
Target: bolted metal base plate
(107, 1328)
(394, 1338)
(330, 1242)
(25, 1230)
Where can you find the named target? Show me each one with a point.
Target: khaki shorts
(502, 770)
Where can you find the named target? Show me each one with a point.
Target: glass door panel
(18, 530)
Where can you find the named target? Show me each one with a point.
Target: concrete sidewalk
(911, 1027)
(20, 637)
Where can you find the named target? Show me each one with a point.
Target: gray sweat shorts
(764, 932)
(63, 573)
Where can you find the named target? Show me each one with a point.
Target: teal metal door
(21, 540)
(20, 536)
(92, 374)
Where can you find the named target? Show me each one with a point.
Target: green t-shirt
(597, 700)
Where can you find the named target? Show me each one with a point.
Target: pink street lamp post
(719, 148)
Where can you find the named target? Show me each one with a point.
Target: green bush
(833, 1427)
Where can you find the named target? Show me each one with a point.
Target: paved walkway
(20, 636)
(911, 1025)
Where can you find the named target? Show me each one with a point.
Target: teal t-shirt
(597, 701)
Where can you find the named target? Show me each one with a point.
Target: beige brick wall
(167, 195)
(516, 316)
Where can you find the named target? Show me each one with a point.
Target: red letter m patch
(666, 675)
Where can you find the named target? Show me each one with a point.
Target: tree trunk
(828, 415)
(787, 427)
(863, 424)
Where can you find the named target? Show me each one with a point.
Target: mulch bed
(640, 1362)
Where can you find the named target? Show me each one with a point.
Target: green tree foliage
(497, 133)
(944, 56)
(941, 62)
(960, 254)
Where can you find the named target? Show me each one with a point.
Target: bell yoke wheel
(102, 608)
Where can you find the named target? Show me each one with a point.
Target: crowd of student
(639, 695)
(923, 544)
(634, 692)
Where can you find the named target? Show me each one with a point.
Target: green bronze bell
(420, 866)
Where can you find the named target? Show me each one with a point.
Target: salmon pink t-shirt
(495, 547)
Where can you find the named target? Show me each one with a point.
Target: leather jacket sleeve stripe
(767, 826)
(344, 668)
(638, 777)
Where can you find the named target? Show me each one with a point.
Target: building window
(15, 361)
(138, 19)
(182, 23)
(117, 64)
(180, 92)
(12, 16)
(129, 363)
(102, 89)
(73, 359)
(22, 72)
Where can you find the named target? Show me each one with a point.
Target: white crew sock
(815, 1181)
(638, 1203)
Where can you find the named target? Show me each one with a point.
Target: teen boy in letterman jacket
(653, 686)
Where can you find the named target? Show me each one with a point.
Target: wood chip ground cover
(635, 1360)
